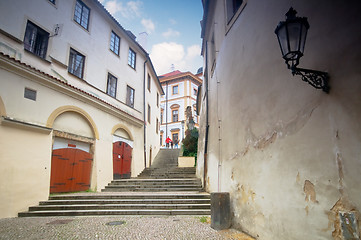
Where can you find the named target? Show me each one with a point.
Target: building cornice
(181, 76)
(17, 67)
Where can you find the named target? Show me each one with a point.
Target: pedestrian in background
(167, 141)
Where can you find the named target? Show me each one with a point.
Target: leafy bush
(190, 143)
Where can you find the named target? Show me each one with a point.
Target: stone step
(117, 189)
(131, 196)
(124, 201)
(118, 207)
(156, 185)
(165, 175)
(115, 212)
(166, 180)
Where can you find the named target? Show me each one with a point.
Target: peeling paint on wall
(278, 130)
(310, 192)
(346, 220)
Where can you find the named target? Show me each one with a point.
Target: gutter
(144, 118)
(205, 170)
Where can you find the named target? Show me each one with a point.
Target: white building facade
(72, 80)
(180, 91)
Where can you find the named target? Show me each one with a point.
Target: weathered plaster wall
(289, 155)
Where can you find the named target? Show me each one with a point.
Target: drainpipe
(144, 117)
(166, 111)
(207, 120)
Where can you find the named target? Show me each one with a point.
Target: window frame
(36, 40)
(177, 86)
(71, 70)
(116, 36)
(130, 102)
(230, 20)
(173, 110)
(149, 114)
(148, 82)
(157, 126)
(108, 91)
(81, 17)
(30, 94)
(161, 116)
(157, 99)
(132, 58)
(175, 132)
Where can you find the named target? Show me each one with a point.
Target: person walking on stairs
(167, 141)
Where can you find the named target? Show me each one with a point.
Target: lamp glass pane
(303, 38)
(294, 34)
(282, 39)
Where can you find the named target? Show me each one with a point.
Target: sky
(173, 30)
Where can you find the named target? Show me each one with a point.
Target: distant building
(288, 154)
(181, 89)
(77, 88)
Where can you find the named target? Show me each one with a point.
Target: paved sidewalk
(129, 227)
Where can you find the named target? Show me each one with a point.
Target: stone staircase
(162, 189)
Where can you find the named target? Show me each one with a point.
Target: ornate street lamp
(291, 36)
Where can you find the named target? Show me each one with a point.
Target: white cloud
(193, 51)
(129, 10)
(148, 24)
(170, 33)
(165, 54)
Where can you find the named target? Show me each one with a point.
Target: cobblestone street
(115, 227)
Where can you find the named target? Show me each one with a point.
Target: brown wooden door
(122, 160)
(117, 159)
(127, 161)
(70, 170)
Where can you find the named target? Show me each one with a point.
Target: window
(52, 1)
(175, 137)
(195, 92)
(131, 58)
(157, 99)
(81, 14)
(30, 94)
(130, 97)
(149, 82)
(76, 63)
(112, 85)
(36, 40)
(157, 126)
(175, 115)
(233, 9)
(149, 113)
(175, 89)
(161, 116)
(114, 43)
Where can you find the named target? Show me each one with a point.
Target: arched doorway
(122, 154)
(72, 153)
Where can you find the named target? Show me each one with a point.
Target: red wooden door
(127, 161)
(70, 170)
(117, 159)
(81, 171)
(122, 160)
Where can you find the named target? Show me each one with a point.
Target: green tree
(190, 143)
